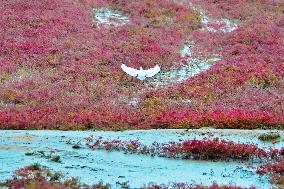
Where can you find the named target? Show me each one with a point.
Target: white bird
(141, 74)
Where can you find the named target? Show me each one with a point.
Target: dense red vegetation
(60, 69)
(36, 177)
(274, 170)
(214, 149)
(277, 167)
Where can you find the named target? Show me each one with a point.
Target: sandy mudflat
(116, 167)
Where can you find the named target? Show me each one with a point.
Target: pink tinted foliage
(36, 176)
(60, 68)
(275, 171)
(214, 149)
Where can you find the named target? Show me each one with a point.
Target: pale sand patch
(109, 17)
(13, 147)
(230, 132)
(22, 137)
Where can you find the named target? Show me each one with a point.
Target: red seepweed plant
(60, 68)
(214, 149)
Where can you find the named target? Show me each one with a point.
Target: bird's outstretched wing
(130, 71)
(152, 71)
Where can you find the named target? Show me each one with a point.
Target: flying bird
(141, 74)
